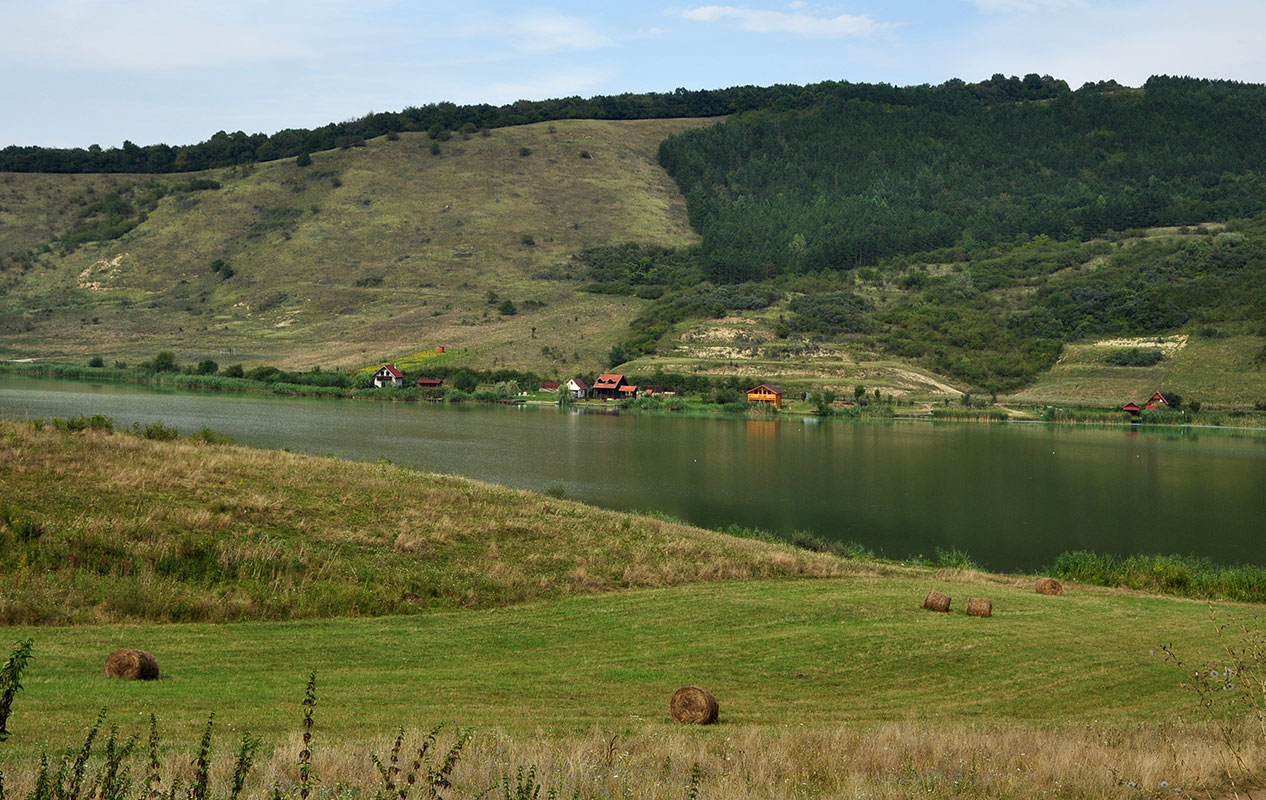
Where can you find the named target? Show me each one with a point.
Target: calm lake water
(1013, 496)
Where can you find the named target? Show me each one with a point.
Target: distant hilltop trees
(229, 149)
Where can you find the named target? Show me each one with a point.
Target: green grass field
(558, 633)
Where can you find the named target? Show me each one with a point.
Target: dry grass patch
(218, 532)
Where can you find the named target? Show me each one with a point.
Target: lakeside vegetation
(159, 528)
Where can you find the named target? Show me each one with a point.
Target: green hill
(367, 254)
(926, 242)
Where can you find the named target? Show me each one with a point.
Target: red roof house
(577, 388)
(430, 383)
(549, 386)
(1157, 401)
(388, 375)
(1132, 409)
(608, 385)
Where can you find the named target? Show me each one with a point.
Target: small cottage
(577, 389)
(1156, 401)
(549, 386)
(765, 394)
(430, 383)
(607, 386)
(1132, 409)
(388, 375)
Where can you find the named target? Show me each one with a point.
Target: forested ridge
(854, 179)
(231, 149)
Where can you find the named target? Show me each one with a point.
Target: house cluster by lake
(607, 386)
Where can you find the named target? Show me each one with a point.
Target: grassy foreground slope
(98, 526)
(368, 253)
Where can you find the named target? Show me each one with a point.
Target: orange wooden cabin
(765, 394)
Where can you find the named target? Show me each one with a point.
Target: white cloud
(1026, 6)
(148, 35)
(1117, 40)
(537, 33)
(798, 22)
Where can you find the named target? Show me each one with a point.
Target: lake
(1013, 496)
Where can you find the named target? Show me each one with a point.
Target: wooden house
(577, 389)
(1132, 409)
(549, 386)
(430, 383)
(607, 386)
(765, 394)
(1157, 400)
(388, 375)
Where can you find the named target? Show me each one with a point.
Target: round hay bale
(131, 665)
(1049, 586)
(935, 601)
(694, 704)
(979, 607)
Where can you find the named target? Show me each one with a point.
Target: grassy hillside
(366, 254)
(98, 526)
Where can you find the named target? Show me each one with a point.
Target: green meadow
(557, 635)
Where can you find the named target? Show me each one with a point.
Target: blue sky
(80, 72)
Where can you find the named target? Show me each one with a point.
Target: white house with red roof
(577, 389)
(388, 375)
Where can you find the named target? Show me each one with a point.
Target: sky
(82, 72)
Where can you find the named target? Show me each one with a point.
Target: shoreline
(1233, 419)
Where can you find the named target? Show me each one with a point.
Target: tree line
(229, 149)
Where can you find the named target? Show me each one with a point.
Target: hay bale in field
(694, 704)
(979, 607)
(1049, 586)
(131, 665)
(935, 601)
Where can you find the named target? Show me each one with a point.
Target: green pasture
(815, 652)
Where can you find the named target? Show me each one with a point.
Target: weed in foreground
(1228, 688)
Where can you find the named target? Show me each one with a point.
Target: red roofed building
(388, 375)
(608, 386)
(430, 383)
(1132, 409)
(577, 388)
(549, 386)
(1157, 401)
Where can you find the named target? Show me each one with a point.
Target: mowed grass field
(1045, 682)
(559, 634)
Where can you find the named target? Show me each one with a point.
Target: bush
(1135, 357)
(234, 371)
(96, 361)
(157, 431)
(208, 367)
(96, 422)
(303, 159)
(165, 361)
(507, 308)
